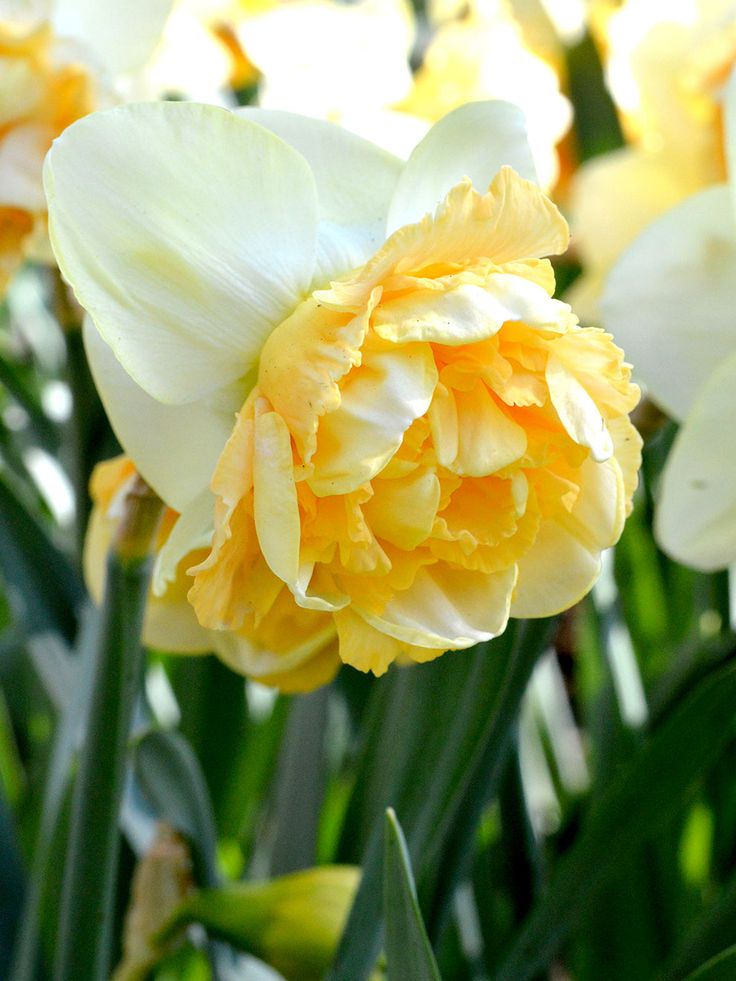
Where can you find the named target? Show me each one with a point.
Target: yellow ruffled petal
(378, 402)
(446, 607)
(274, 496)
(577, 411)
(513, 221)
(402, 511)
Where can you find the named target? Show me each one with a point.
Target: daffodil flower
(58, 62)
(666, 63)
(671, 298)
(485, 54)
(346, 374)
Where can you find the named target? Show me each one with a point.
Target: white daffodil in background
(344, 62)
(671, 299)
(58, 61)
(666, 63)
(484, 53)
(199, 56)
(346, 374)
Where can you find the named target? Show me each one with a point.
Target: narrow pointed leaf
(408, 951)
(49, 589)
(719, 968)
(172, 781)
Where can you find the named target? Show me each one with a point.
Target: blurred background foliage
(566, 792)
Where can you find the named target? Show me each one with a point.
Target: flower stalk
(86, 919)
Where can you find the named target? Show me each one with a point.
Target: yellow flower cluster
(40, 95)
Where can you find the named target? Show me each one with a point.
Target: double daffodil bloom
(666, 64)
(679, 283)
(58, 62)
(346, 374)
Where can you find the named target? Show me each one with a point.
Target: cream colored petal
(488, 439)
(615, 196)
(21, 162)
(557, 572)
(565, 560)
(729, 106)
(378, 403)
(577, 411)
(276, 510)
(402, 511)
(355, 182)
(121, 35)
(364, 647)
(696, 515)
(187, 233)
(466, 314)
(170, 624)
(670, 300)
(173, 626)
(246, 657)
(447, 608)
(304, 668)
(193, 530)
(174, 447)
(473, 141)
(320, 58)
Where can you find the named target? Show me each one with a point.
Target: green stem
(85, 927)
(87, 411)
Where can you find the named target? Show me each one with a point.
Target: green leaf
(12, 876)
(408, 951)
(73, 694)
(625, 815)
(722, 967)
(300, 785)
(171, 779)
(49, 588)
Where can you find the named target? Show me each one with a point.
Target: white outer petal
(174, 447)
(122, 35)
(696, 515)
(22, 151)
(193, 530)
(670, 300)
(473, 141)
(355, 183)
(187, 233)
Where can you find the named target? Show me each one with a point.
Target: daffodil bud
(292, 923)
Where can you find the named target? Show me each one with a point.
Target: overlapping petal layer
(431, 443)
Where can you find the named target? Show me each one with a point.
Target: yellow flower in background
(291, 648)
(666, 64)
(425, 442)
(485, 54)
(57, 63)
(671, 298)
